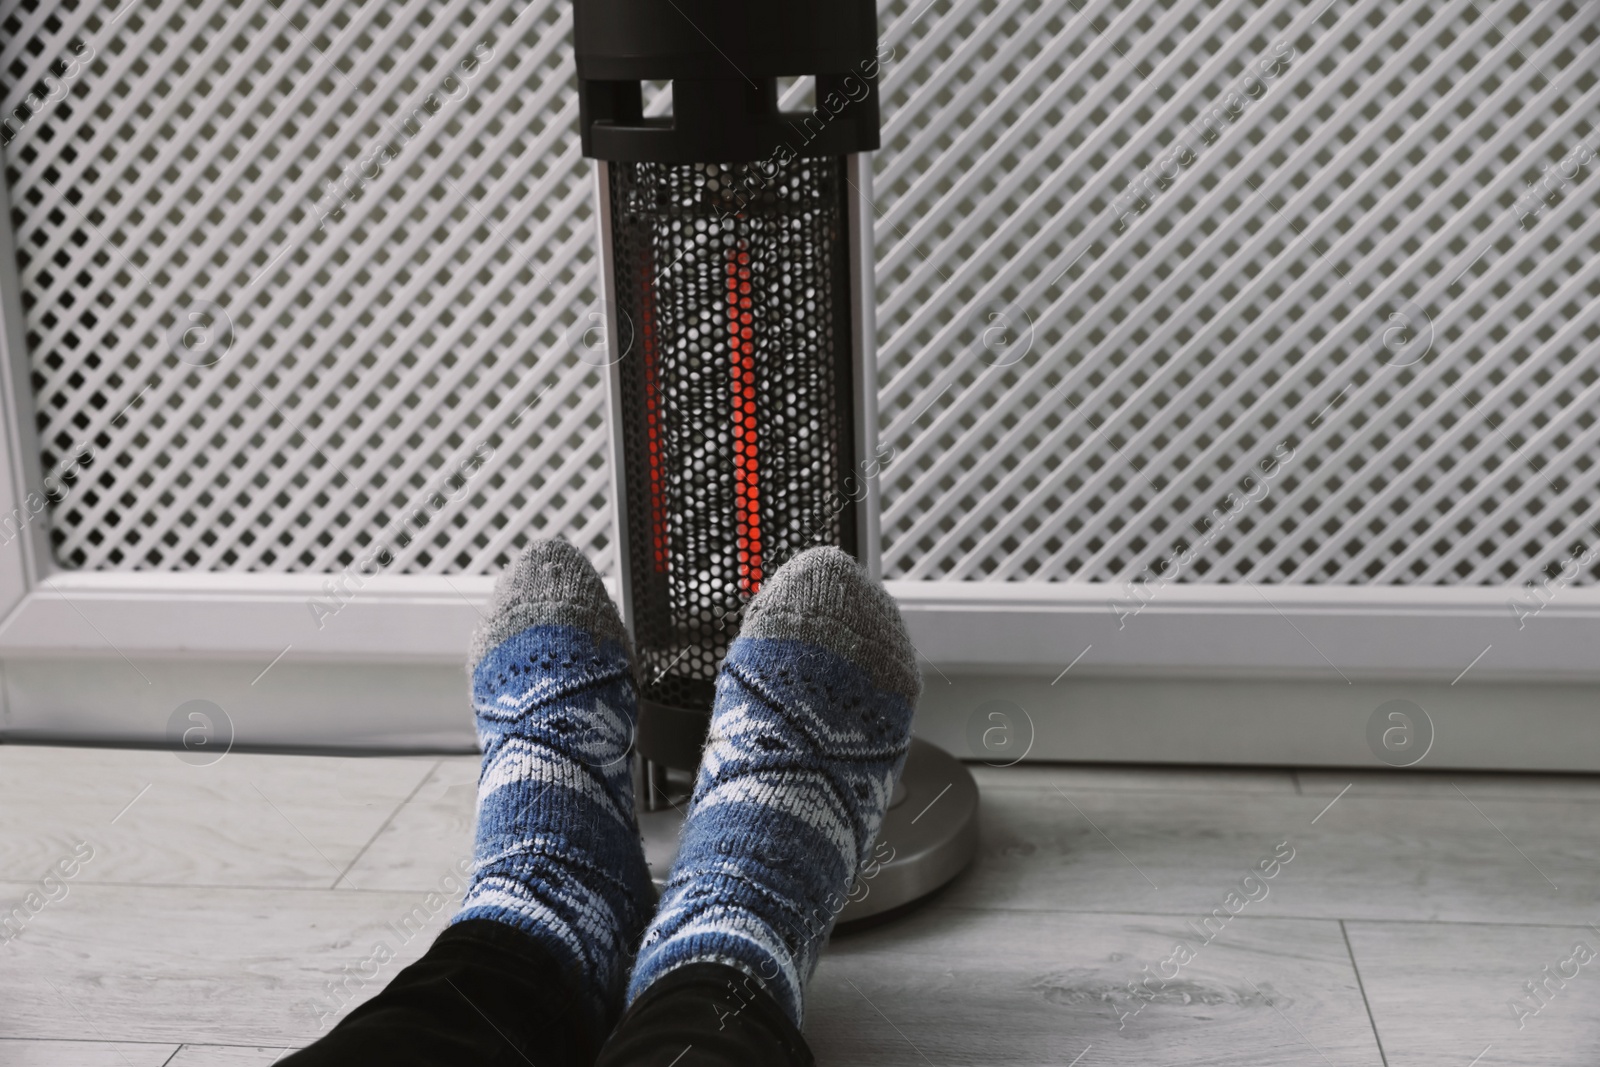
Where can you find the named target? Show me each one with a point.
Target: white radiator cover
(1222, 342)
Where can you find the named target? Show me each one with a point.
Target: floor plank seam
(990, 787)
(344, 875)
(1494, 797)
(259, 887)
(1355, 967)
(1498, 923)
(93, 1040)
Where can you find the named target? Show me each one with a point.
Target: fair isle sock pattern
(809, 732)
(558, 853)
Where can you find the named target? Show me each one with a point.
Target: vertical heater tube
(650, 352)
(746, 445)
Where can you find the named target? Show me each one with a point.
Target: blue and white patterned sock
(808, 736)
(558, 852)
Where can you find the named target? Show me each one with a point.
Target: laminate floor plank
(214, 966)
(214, 889)
(1443, 995)
(115, 775)
(227, 1056)
(145, 817)
(1475, 784)
(951, 987)
(1420, 858)
(68, 1053)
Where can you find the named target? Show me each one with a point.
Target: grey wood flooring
(1417, 911)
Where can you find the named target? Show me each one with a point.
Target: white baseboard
(423, 707)
(315, 705)
(1224, 674)
(1337, 632)
(1343, 633)
(1264, 722)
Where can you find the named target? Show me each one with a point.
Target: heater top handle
(723, 59)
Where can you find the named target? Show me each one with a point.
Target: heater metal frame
(864, 329)
(608, 299)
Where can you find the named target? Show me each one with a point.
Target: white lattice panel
(401, 372)
(1070, 398)
(1243, 306)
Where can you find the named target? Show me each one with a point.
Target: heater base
(928, 835)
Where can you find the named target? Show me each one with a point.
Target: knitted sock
(808, 735)
(558, 853)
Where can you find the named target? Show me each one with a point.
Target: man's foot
(808, 735)
(558, 853)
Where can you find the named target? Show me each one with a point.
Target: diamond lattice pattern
(308, 286)
(1274, 292)
(1241, 291)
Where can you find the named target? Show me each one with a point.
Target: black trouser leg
(484, 994)
(705, 1015)
(487, 995)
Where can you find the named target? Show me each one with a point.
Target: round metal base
(928, 835)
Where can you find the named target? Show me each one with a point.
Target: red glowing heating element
(746, 490)
(652, 422)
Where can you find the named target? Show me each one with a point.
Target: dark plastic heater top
(724, 59)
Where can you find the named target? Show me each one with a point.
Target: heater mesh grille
(734, 357)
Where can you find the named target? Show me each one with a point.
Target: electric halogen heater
(736, 270)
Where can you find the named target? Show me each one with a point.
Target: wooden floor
(219, 903)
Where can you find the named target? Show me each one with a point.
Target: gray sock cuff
(549, 584)
(823, 597)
